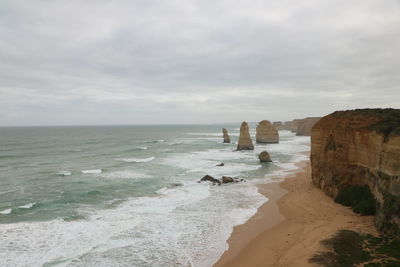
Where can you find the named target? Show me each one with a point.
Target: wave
(64, 173)
(76, 150)
(6, 211)
(96, 171)
(129, 160)
(155, 141)
(27, 206)
(126, 175)
(136, 148)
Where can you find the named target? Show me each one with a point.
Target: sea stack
(227, 139)
(266, 133)
(245, 142)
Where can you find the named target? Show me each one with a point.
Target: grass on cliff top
(390, 123)
(359, 198)
(349, 248)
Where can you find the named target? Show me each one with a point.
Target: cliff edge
(360, 148)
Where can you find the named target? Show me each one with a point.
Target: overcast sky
(194, 61)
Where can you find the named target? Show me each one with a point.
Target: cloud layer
(194, 61)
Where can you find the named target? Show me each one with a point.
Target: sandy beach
(287, 229)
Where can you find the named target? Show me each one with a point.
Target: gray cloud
(124, 62)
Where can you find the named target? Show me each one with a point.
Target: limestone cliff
(361, 147)
(245, 142)
(294, 125)
(226, 136)
(304, 126)
(266, 133)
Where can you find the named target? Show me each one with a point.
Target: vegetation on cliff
(388, 119)
(349, 248)
(359, 198)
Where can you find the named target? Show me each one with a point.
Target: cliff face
(304, 126)
(361, 147)
(266, 133)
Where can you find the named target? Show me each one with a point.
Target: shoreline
(288, 228)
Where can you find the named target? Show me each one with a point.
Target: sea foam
(6, 211)
(27, 206)
(137, 160)
(96, 171)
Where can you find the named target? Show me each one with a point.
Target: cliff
(360, 148)
(294, 125)
(266, 132)
(304, 126)
(245, 142)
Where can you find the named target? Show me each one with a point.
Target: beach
(287, 229)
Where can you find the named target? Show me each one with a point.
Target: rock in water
(266, 133)
(227, 179)
(264, 157)
(227, 139)
(245, 142)
(210, 179)
(220, 165)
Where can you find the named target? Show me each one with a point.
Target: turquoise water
(87, 195)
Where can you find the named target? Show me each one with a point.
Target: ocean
(129, 195)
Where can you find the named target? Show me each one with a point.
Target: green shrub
(359, 198)
(349, 248)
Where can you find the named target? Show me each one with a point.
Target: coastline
(288, 228)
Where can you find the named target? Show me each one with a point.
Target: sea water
(129, 195)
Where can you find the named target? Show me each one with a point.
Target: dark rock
(227, 179)
(210, 179)
(264, 157)
(220, 165)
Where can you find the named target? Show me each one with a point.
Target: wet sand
(287, 229)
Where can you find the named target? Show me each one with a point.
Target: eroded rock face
(264, 157)
(227, 138)
(361, 147)
(304, 126)
(245, 142)
(266, 133)
(294, 125)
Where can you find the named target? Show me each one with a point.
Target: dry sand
(287, 230)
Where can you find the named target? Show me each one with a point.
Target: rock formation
(210, 179)
(245, 142)
(266, 133)
(220, 165)
(361, 148)
(304, 126)
(264, 157)
(227, 179)
(227, 139)
(293, 125)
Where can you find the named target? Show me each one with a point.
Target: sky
(95, 62)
